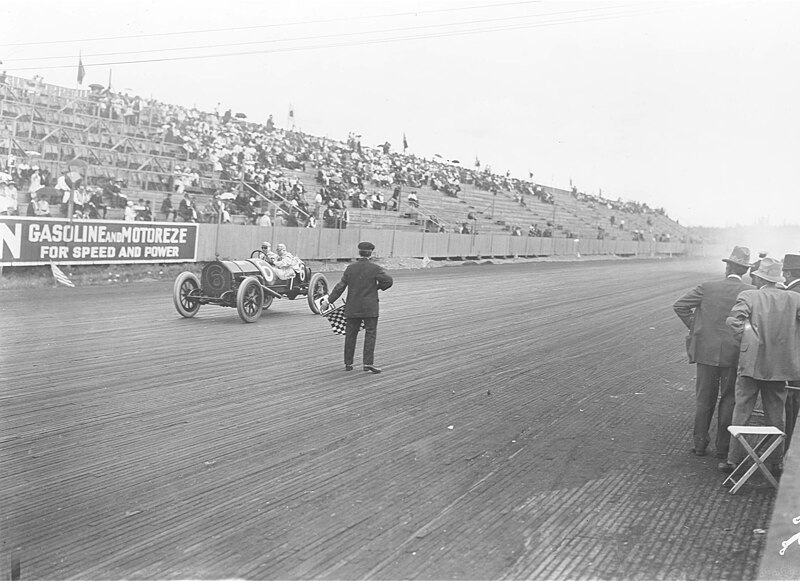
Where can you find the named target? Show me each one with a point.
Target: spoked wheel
(250, 299)
(187, 287)
(317, 288)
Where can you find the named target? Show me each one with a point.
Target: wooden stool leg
(758, 462)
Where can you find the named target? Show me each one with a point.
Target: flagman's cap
(740, 255)
(770, 270)
(366, 246)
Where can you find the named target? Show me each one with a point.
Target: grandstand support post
(396, 218)
(216, 234)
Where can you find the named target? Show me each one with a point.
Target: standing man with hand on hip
(363, 279)
(715, 348)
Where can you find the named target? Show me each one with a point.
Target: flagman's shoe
(372, 368)
(348, 368)
(698, 451)
(726, 467)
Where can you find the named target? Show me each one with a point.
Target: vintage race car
(249, 285)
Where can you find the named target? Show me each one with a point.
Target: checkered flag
(337, 319)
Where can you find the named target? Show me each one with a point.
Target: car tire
(186, 283)
(317, 287)
(250, 299)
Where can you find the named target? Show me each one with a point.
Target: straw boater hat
(770, 270)
(740, 256)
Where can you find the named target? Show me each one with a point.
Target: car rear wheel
(250, 299)
(317, 288)
(184, 292)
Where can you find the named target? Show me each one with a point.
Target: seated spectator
(413, 201)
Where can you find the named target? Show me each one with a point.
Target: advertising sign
(36, 241)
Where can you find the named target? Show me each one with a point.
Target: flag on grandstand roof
(291, 111)
(405, 142)
(81, 70)
(477, 162)
(60, 277)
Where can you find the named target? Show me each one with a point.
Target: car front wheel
(250, 299)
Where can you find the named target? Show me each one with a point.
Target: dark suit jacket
(704, 310)
(363, 279)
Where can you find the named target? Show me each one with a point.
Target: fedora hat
(791, 262)
(770, 270)
(740, 255)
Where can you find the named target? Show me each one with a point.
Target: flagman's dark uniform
(362, 279)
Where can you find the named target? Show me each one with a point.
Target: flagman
(363, 279)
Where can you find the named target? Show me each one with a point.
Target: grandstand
(152, 148)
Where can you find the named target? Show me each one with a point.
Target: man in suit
(768, 320)
(715, 348)
(791, 272)
(364, 279)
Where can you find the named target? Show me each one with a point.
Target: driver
(266, 250)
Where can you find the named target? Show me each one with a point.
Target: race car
(249, 285)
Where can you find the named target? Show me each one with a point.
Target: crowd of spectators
(223, 147)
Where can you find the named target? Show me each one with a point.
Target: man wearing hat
(715, 348)
(768, 321)
(754, 267)
(363, 279)
(791, 272)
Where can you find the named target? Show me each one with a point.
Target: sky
(690, 106)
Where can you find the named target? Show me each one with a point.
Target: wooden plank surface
(532, 421)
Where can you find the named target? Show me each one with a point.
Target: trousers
(773, 398)
(792, 407)
(714, 383)
(370, 337)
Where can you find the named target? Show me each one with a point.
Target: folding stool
(756, 454)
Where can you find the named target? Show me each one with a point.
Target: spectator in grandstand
(791, 272)
(9, 197)
(362, 279)
(413, 200)
(97, 209)
(394, 203)
(166, 208)
(41, 205)
(768, 322)
(146, 214)
(264, 220)
(35, 181)
(714, 347)
(112, 191)
(187, 211)
(129, 214)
